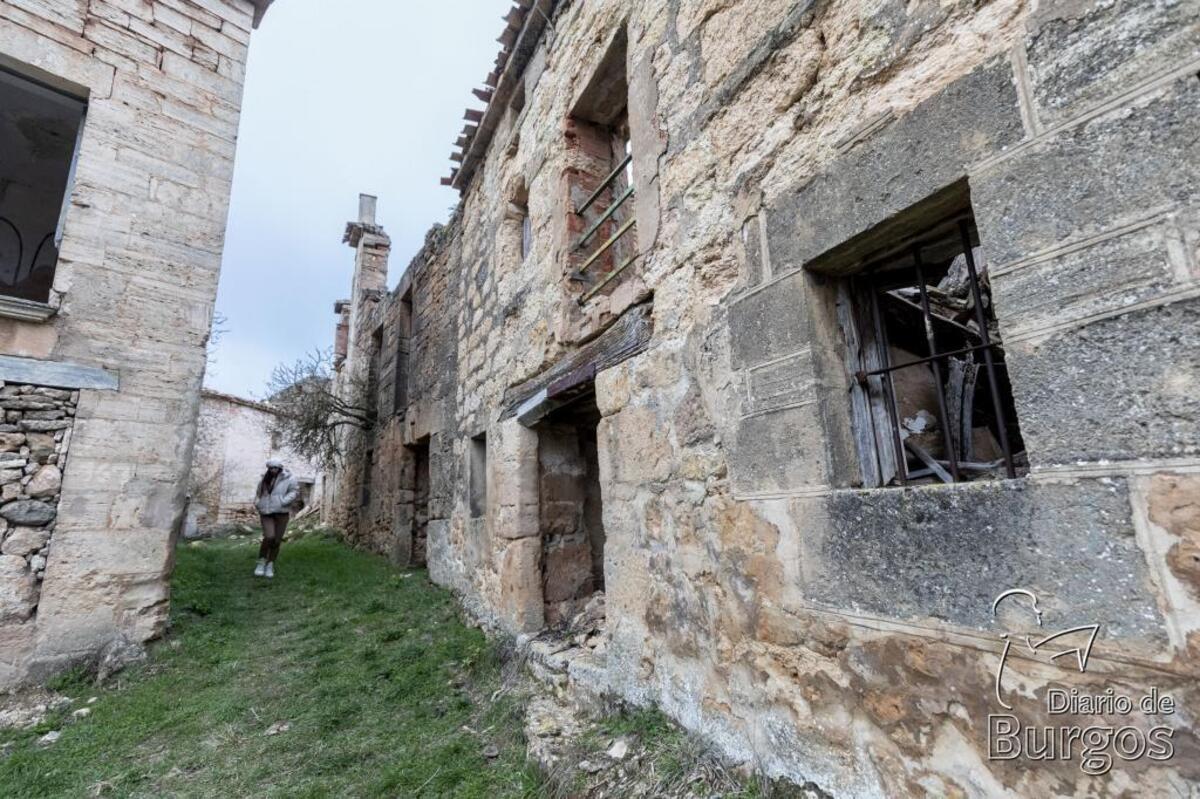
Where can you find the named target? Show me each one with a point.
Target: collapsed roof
(523, 26)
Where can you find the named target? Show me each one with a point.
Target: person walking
(277, 493)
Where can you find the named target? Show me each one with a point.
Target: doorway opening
(571, 509)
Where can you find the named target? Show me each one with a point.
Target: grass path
(370, 668)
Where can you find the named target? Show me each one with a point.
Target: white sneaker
(260, 569)
(270, 570)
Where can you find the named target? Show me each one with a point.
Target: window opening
(40, 131)
(932, 397)
(477, 468)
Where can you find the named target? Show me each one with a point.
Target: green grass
(370, 667)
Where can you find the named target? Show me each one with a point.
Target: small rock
(18, 592)
(46, 482)
(24, 541)
(42, 425)
(92, 700)
(545, 727)
(278, 727)
(491, 751)
(588, 767)
(118, 654)
(619, 749)
(50, 737)
(82, 713)
(29, 512)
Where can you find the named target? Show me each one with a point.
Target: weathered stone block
(42, 426)
(1083, 53)
(769, 323)
(28, 511)
(1085, 180)
(946, 552)
(521, 586)
(18, 591)
(781, 384)
(1121, 388)
(24, 541)
(916, 156)
(568, 568)
(28, 403)
(41, 445)
(637, 433)
(779, 451)
(1103, 277)
(46, 482)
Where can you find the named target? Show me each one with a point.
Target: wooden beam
(626, 337)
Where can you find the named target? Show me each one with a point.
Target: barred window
(931, 398)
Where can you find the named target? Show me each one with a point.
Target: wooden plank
(967, 430)
(860, 409)
(927, 459)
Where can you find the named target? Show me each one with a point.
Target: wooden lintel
(626, 337)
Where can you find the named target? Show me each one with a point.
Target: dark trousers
(274, 525)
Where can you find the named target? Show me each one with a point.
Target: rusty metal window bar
(954, 309)
(611, 182)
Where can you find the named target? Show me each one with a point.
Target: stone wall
(234, 440)
(809, 626)
(132, 299)
(34, 439)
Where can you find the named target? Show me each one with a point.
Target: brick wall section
(135, 287)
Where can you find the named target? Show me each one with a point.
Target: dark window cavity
(931, 398)
(39, 138)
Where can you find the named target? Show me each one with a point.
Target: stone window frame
(794, 436)
(62, 92)
(601, 222)
(520, 222)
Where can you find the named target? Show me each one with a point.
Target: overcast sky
(341, 98)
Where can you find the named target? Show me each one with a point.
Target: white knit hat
(274, 463)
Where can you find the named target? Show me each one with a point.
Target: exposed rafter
(523, 26)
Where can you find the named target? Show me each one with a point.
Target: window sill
(25, 310)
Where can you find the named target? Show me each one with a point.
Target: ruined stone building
(118, 121)
(234, 439)
(804, 331)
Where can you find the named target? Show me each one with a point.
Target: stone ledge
(56, 374)
(25, 310)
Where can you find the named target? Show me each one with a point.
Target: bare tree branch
(314, 406)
